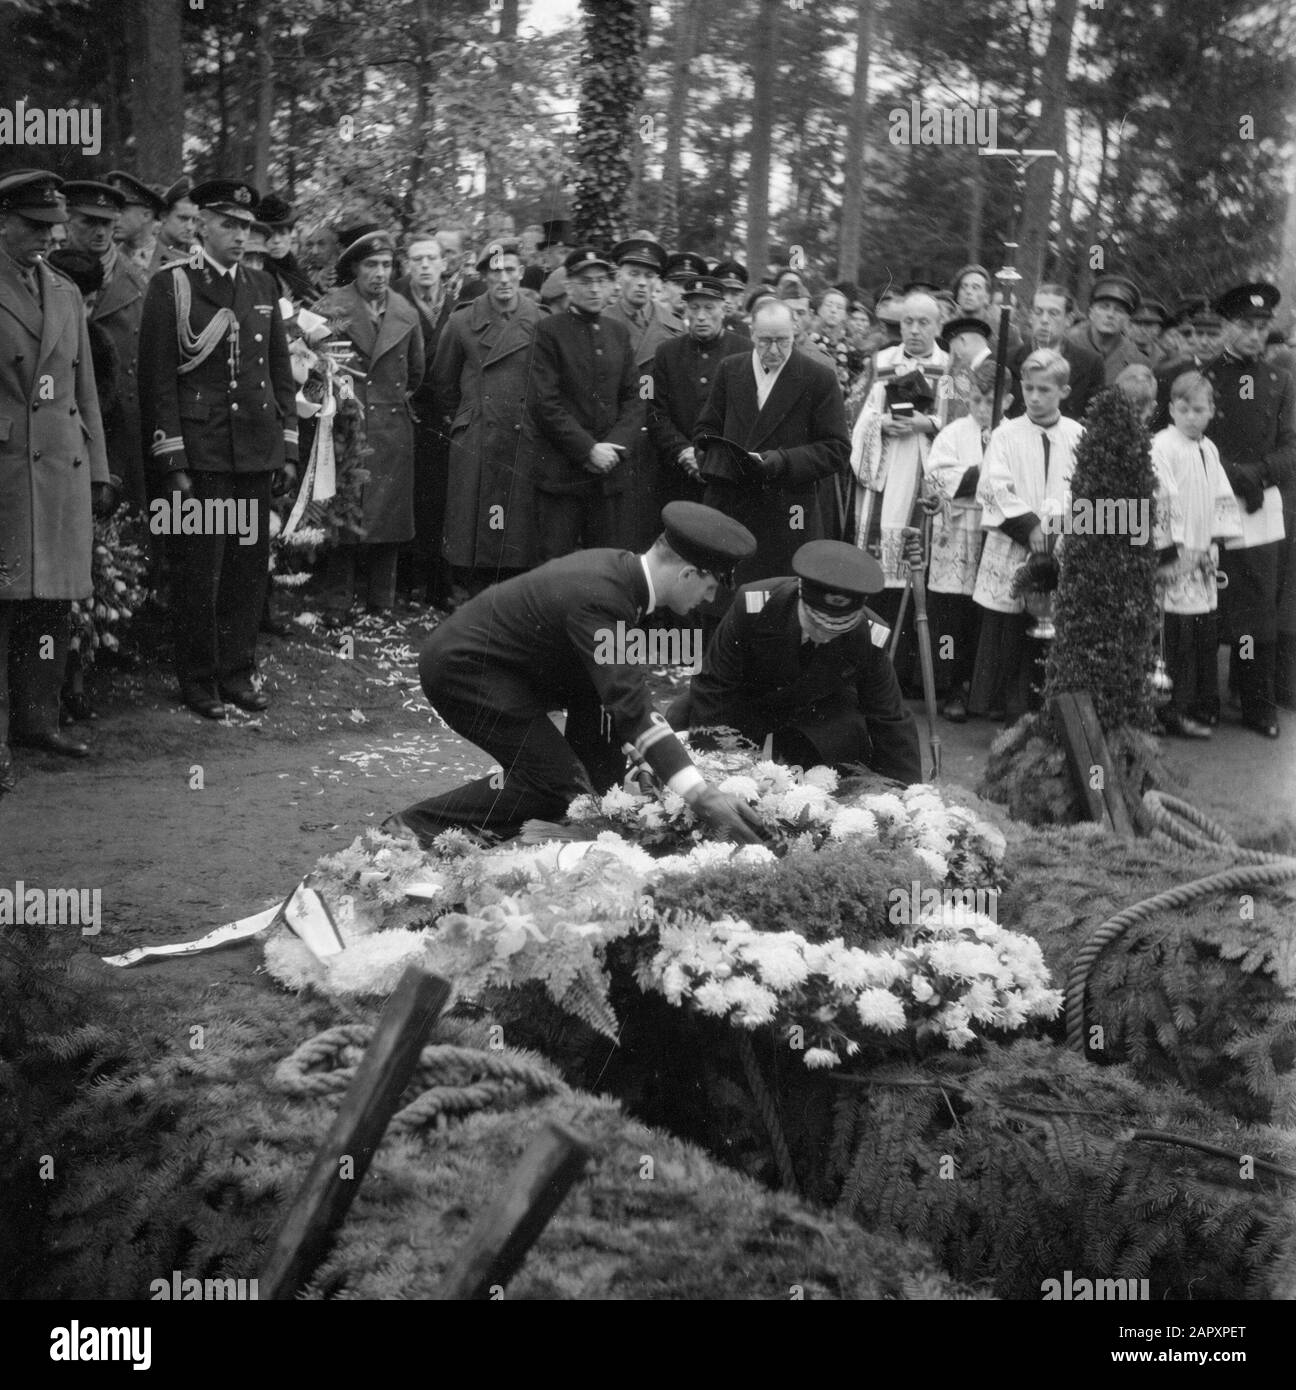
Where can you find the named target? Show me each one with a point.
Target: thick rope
(1184, 826)
(452, 1081)
(769, 1112)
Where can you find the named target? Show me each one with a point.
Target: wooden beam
(498, 1243)
(1080, 756)
(334, 1178)
(1113, 789)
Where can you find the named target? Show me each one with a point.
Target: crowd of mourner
(562, 442)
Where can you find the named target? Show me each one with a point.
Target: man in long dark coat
(219, 407)
(584, 416)
(1254, 428)
(479, 385)
(384, 328)
(53, 466)
(785, 413)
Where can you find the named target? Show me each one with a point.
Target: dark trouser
(1254, 676)
(430, 572)
(540, 770)
(29, 686)
(1192, 658)
(584, 520)
(1005, 666)
(905, 661)
(379, 560)
(954, 621)
(218, 590)
(1285, 670)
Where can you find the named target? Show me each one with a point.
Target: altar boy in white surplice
(1195, 510)
(889, 447)
(1025, 496)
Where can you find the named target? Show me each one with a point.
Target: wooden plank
(498, 1243)
(384, 1072)
(1080, 755)
(1113, 790)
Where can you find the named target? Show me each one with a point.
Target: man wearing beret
(219, 416)
(479, 383)
(53, 467)
(796, 658)
(1113, 302)
(640, 264)
(557, 638)
(384, 328)
(683, 372)
(585, 415)
(1254, 428)
(116, 308)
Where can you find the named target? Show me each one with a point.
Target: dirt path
(346, 742)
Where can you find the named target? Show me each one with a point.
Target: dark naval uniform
(222, 409)
(841, 699)
(118, 310)
(584, 390)
(546, 640)
(683, 372)
(1254, 428)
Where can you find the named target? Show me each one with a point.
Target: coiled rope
(452, 1081)
(1185, 827)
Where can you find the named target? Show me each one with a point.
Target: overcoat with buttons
(393, 362)
(51, 440)
(479, 384)
(234, 412)
(1254, 427)
(118, 310)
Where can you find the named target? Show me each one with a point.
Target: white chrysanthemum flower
(754, 1004)
(935, 861)
(778, 958)
(981, 1001)
(772, 776)
(752, 855)
(712, 998)
(584, 807)
(851, 821)
(953, 1021)
(672, 802)
(817, 1057)
(618, 799)
(674, 982)
(920, 988)
(825, 777)
(801, 798)
(744, 787)
(887, 807)
(880, 1009)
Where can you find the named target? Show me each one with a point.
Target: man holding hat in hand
(796, 658)
(53, 466)
(547, 640)
(218, 410)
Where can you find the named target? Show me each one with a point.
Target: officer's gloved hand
(728, 816)
(180, 482)
(1246, 482)
(282, 480)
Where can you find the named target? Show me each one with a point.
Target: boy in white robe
(1025, 493)
(953, 471)
(1196, 510)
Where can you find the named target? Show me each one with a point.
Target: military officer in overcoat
(384, 328)
(584, 415)
(1254, 428)
(1113, 302)
(794, 657)
(479, 383)
(683, 372)
(556, 638)
(117, 308)
(218, 412)
(53, 466)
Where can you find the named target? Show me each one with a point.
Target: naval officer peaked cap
(586, 258)
(707, 538)
(1256, 301)
(836, 577)
(232, 197)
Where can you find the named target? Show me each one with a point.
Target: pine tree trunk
(758, 169)
(688, 25)
(157, 91)
(852, 217)
(1050, 133)
(265, 103)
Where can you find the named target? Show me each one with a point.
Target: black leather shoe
(77, 707)
(8, 773)
(246, 698)
(201, 702)
(52, 741)
(955, 710)
(276, 627)
(1265, 728)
